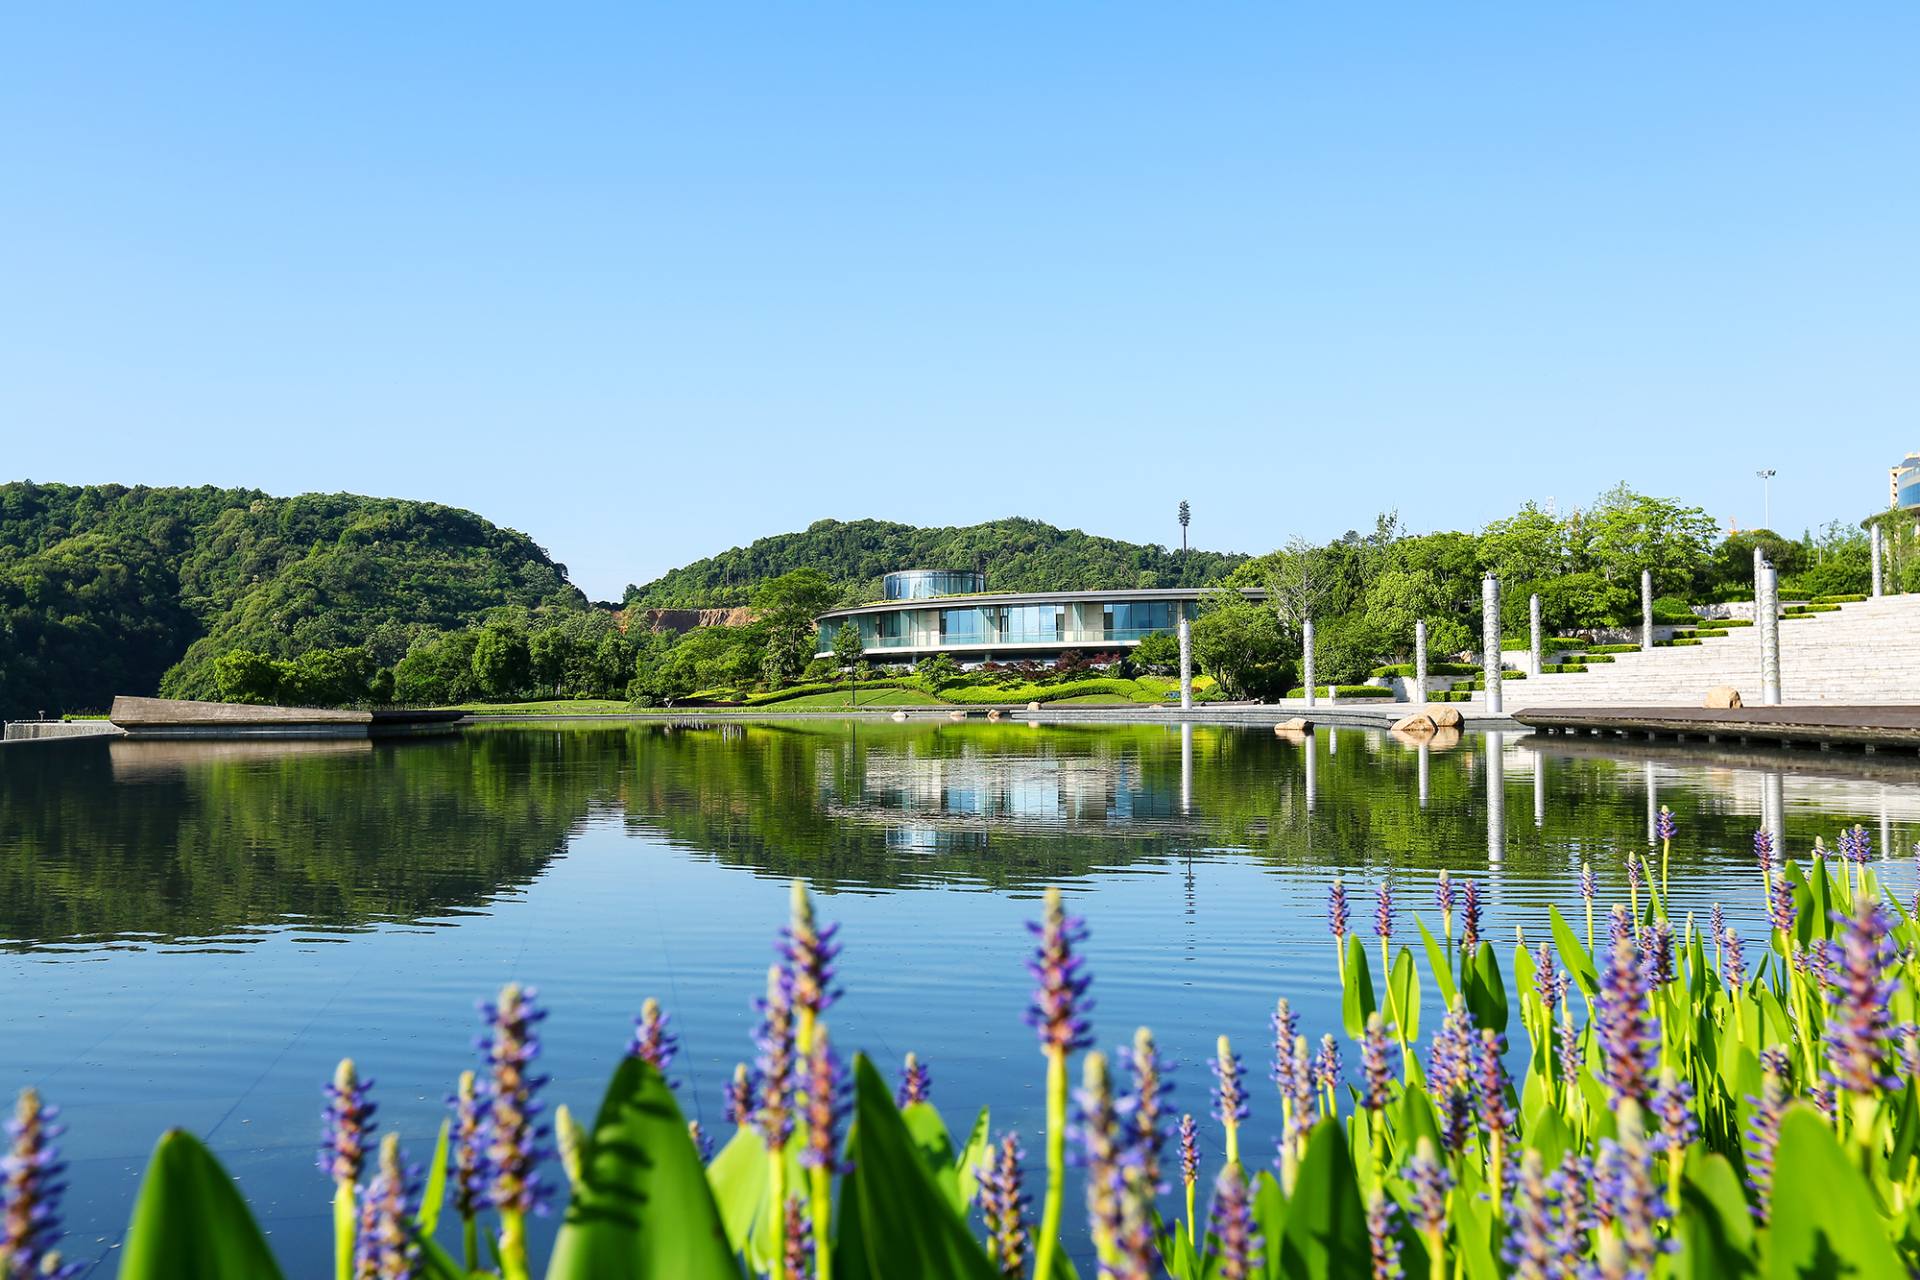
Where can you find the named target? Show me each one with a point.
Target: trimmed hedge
(1678, 642)
(825, 686)
(1562, 668)
(1345, 691)
(1812, 608)
(1433, 669)
(1450, 695)
(1612, 648)
(1838, 599)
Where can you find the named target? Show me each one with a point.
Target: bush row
(1433, 669)
(1345, 691)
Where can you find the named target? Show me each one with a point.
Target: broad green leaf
(738, 1176)
(1485, 991)
(930, 1136)
(1270, 1217)
(1437, 964)
(907, 1226)
(435, 1193)
(1406, 995)
(189, 1220)
(1825, 1220)
(1418, 1119)
(1715, 1227)
(1550, 1137)
(1574, 957)
(974, 1159)
(643, 1207)
(1326, 1230)
(1357, 999)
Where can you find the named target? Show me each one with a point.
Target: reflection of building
(929, 611)
(1903, 484)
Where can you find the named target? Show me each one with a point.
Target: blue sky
(648, 282)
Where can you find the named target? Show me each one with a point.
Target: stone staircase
(1864, 653)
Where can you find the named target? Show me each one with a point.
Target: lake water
(193, 934)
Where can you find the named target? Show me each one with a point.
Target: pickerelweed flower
(346, 1125)
(701, 1142)
(1430, 1181)
(1862, 844)
(1443, 899)
(1285, 1029)
(1470, 917)
(1762, 1137)
(1628, 1036)
(1497, 1115)
(467, 1155)
(1060, 1002)
(1734, 960)
(778, 1062)
(1450, 1075)
(1101, 1150)
(809, 952)
(1665, 825)
(1339, 914)
(1660, 952)
(1230, 1105)
(1546, 980)
(827, 1103)
(796, 1225)
(1673, 1109)
(916, 1082)
(516, 1139)
(739, 1105)
(1003, 1207)
(1624, 1180)
(1136, 1257)
(1781, 910)
(1189, 1148)
(1326, 1066)
(653, 1040)
(1859, 1033)
(1375, 1072)
(1382, 1246)
(1148, 1104)
(1717, 923)
(1300, 1122)
(30, 1194)
(1588, 888)
(1237, 1245)
(1572, 1182)
(386, 1247)
(1533, 1246)
(1620, 927)
(1383, 912)
(1763, 849)
(1572, 1054)
(1634, 880)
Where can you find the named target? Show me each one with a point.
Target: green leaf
(1437, 964)
(643, 1207)
(907, 1226)
(1270, 1217)
(1574, 956)
(435, 1193)
(738, 1176)
(1825, 1219)
(1326, 1231)
(189, 1220)
(1485, 991)
(1356, 1000)
(974, 1159)
(1406, 995)
(1715, 1228)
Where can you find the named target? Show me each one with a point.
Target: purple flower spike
(809, 952)
(346, 1130)
(1450, 1065)
(1626, 1183)
(1717, 924)
(1572, 1057)
(1665, 825)
(701, 1142)
(1003, 1207)
(1148, 1103)
(1285, 1028)
(1587, 886)
(467, 1161)
(1430, 1181)
(1383, 912)
(916, 1082)
(385, 1247)
(1534, 1248)
(1546, 980)
(1230, 1105)
(1660, 952)
(1620, 926)
(1859, 1037)
(30, 1194)
(797, 1231)
(1382, 1245)
(516, 1140)
(1189, 1150)
(1763, 848)
(1339, 915)
(778, 1061)
(1470, 918)
(740, 1103)
(828, 1103)
(1673, 1108)
(1237, 1243)
(1060, 1003)
(1628, 1034)
(1137, 1255)
(653, 1041)
(1443, 893)
(1302, 1118)
(1375, 1071)
(1763, 1132)
(1781, 911)
(1633, 871)
(1101, 1148)
(1733, 960)
(1490, 1084)
(1326, 1066)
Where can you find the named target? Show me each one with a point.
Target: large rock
(899, 715)
(956, 715)
(1417, 725)
(1723, 697)
(1444, 716)
(994, 714)
(1033, 706)
(1298, 724)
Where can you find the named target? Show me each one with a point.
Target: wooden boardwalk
(1871, 727)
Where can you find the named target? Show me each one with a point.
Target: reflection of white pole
(1426, 769)
(1773, 811)
(1646, 610)
(1186, 665)
(1306, 656)
(1653, 801)
(1490, 641)
(1333, 741)
(1886, 826)
(1312, 765)
(1186, 768)
(1420, 660)
(1533, 631)
(1539, 789)
(1496, 795)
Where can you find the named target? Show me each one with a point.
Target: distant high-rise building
(1903, 484)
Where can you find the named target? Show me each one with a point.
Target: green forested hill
(107, 589)
(1017, 555)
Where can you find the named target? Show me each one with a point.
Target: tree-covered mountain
(1016, 554)
(107, 589)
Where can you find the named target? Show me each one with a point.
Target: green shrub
(1803, 609)
(987, 695)
(1450, 695)
(1345, 691)
(1678, 642)
(1562, 668)
(1613, 648)
(1433, 669)
(1733, 622)
(1838, 599)
(825, 686)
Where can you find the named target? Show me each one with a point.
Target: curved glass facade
(920, 584)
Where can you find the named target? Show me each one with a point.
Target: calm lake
(193, 934)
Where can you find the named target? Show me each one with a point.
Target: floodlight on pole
(1766, 475)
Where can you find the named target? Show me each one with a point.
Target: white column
(1420, 660)
(1646, 610)
(1490, 641)
(1539, 788)
(1533, 625)
(1496, 796)
(1186, 665)
(1312, 747)
(1426, 772)
(1768, 604)
(1306, 657)
(1877, 579)
(1186, 767)
(1653, 802)
(1773, 811)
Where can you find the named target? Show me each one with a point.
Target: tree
(937, 671)
(500, 662)
(548, 651)
(847, 649)
(1531, 545)
(787, 607)
(246, 676)
(1158, 653)
(1627, 532)
(1240, 645)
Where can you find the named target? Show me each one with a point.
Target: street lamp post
(1766, 475)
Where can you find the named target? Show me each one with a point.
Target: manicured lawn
(1097, 700)
(868, 698)
(557, 707)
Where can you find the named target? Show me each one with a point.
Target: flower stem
(344, 1215)
(513, 1245)
(777, 1195)
(1049, 1242)
(819, 1179)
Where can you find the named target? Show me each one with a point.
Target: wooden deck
(1894, 728)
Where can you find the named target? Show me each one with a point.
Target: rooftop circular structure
(924, 584)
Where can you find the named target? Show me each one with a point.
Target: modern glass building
(1905, 483)
(928, 611)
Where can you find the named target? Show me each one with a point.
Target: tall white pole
(1646, 610)
(1420, 660)
(1186, 665)
(1877, 579)
(1769, 620)
(1490, 641)
(1306, 657)
(1533, 632)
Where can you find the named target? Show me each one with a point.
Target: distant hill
(1016, 554)
(106, 589)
